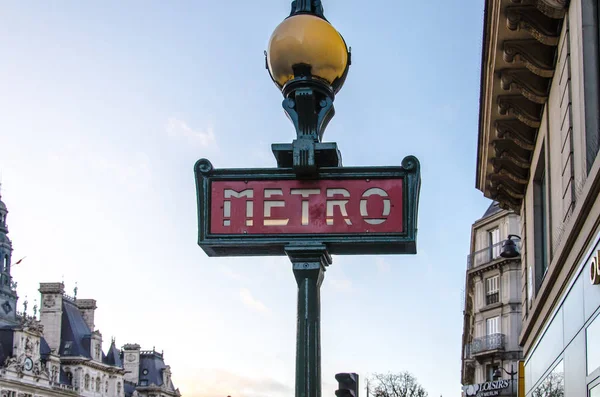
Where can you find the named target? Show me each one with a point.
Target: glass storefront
(593, 346)
(553, 384)
(565, 361)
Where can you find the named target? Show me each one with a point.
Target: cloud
(232, 274)
(179, 129)
(220, 383)
(341, 284)
(252, 303)
(382, 265)
(75, 161)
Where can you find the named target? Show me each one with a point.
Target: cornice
(514, 90)
(91, 363)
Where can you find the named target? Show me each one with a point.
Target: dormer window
(67, 348)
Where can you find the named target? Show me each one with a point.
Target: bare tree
(402, 384)
(552, 386)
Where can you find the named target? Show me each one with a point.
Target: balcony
(487, 255)
(490, 299)
(485, 345)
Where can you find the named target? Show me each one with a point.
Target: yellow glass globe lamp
(305, 46)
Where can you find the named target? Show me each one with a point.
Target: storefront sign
(489, 389)
(595, 269)
(352, 210)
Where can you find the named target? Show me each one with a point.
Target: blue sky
(106, 106)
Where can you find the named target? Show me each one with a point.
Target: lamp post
(308, 60)
(310, 206)
(512, 373)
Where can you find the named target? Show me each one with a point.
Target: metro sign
(353, 210)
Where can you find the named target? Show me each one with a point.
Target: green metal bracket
(308, 104)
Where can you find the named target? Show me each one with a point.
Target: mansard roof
(113, 357)
(493, 209)
(154, 363)
(44, 348)
(75, 337)
(6, 343)
(129, 388)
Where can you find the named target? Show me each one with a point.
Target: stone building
(60, 354)
(492, 308)
(538, 155)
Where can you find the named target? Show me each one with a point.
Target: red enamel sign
(306, 207)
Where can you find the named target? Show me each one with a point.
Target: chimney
(87, 308)
(51, 312)
(131, 362)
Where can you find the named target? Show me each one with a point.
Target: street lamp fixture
(308, 60)
(509, 247)
(512, 373)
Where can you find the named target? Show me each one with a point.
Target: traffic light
(347, 385)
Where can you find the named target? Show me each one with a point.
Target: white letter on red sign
(305, 193)
(229, 193)
(273, 204)
(331, 204)
(386, 206)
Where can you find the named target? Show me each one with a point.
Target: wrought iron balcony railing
(486, 255)
(485, 344)
(490, 299)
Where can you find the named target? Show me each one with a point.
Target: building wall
(508, 307)
(560, 307)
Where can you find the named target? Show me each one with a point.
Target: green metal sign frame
(216, 245)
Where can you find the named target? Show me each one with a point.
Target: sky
(105, 108)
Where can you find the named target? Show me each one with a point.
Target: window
(492, 290)
(593, 346)
(87, 382)
(67, 348)
(595, 392)
(106, 387)
(493, 325)
(98, 384)
(553, 385)
(494, 241)
(118, 388)
(489, 372)
(540, 221)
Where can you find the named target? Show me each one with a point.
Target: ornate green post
(308, 60)
(308, 263)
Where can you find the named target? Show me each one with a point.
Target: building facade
(60, 354)
(492, 308)
(538, 155)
